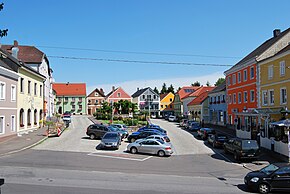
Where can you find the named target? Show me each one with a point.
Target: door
(149, 147)
(281, 179)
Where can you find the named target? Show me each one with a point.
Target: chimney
(15, 49)
(276, 32)
(113, 88)
(101, 90)
(137, 89)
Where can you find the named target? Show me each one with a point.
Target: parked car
(97, 130)
(217, 140)
(172, 118)
(111, 140)
(274, 177)
(151, 146)
(124, 133)
(152, 129)
(183, 122)
(203, 133)
(188, 124)
(242, 148)
(160, 137)
(120, 126)
(66, 118)
(195, 126)
(143, 134)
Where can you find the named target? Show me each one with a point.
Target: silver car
(151, 146)
(161, 137)
(111, 140)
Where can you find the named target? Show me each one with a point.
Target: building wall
(218, 109)
(8, 106)
(118, 95)
(73, 104)
(185, 101)
(32, 101)
(239, 87)
(166, 101)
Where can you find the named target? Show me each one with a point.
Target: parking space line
(118, 157)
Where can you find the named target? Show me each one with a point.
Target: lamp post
(112, 112)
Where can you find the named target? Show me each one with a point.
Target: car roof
(112, 132)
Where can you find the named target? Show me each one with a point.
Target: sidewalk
(14, 144)
(266, 157)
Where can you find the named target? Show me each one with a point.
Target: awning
(282, 123)
(260, 112)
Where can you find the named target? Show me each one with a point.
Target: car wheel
(132, 140)
(133, 150)
(92, 136)
(264, 188)
(161, 153)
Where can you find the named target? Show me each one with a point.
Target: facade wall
(244, 85)
(185, 101)
(118, 95)
(8, 105)
(73, 104)
(218, 108)
(29, 104)
(167, 101)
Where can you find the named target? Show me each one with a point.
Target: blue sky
(229, 29)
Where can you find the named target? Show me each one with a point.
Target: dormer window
(96, 94)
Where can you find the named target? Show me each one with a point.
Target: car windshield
(113, 128)
(110, 136)
(160, 141)
(250, 144)
(269, 169)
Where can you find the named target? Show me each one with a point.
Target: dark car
(97, 130)
(203, 133)
(188, 124)
(242, 148)
(274, 177)
(217, 140)
(111, 140)
(195, 126)
(154, 129)
(143, 134)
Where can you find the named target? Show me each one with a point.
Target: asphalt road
(71, 164)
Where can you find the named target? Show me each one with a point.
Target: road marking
(119, 157)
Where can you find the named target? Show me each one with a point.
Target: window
(2, 124)
(161, 106)
(73, 99)
(271, 97)
(154, 97)
(170, 106)
(66, 99)
(234, 98)
(13, 129)
(252, 73)
(29, 117)
(283, 96)
(80, 107)
(119, 94)
(282, 68)
(252, 95)
(13, 93)
(29, 85)
(21, 85)
(229, 80)
(40, 90)
(239, 77)
(73, 107)
(230, 99)
(265, 97)
(234, 79)
(239, 97)
(245, 96)
(143, 96)
(2, 90)
(170, 99)
(270, 72)
(35, 89)
(245, 75)
(96, 94)
(80, 99)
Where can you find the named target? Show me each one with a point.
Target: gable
(120, 93)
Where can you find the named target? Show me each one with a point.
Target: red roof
(198, 100)
(186, 90)
(27, 54)
(201, 90)
(70, 89)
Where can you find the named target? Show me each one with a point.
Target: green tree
(156, 90)
(164, 89)
(197, 83)
(170, 89)
(219, 81)
(3, 32)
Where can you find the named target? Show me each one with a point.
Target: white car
(160, 137)
(172, 118)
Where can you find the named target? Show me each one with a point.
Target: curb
(25, 148)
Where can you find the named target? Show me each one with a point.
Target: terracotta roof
(27, 54)
(70, 89)
(201, 90)
(99, 91)
(198, 100)
(186, 90)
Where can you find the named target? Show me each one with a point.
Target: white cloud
(131, 86)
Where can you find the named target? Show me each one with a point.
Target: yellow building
(273, 87)
(166, 103)
(30, 99)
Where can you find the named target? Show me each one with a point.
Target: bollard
(1, 183)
